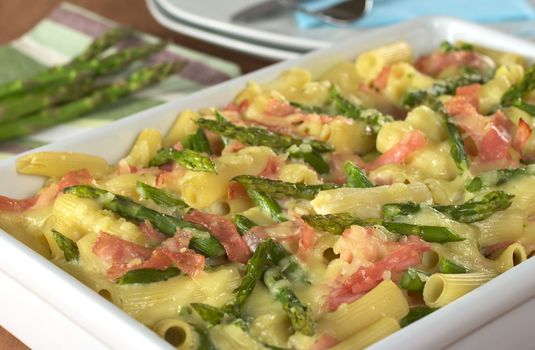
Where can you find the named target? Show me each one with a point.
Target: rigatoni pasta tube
(57, 164)
(385, 300)
(184, 125)
(369, 335)
(513, 255)
(147, 144)
(441, 289)
(232, 337)
(177, 333)
(368, 202)
(369, 64)
(502, 226)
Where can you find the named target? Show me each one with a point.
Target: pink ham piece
(382, 78)
(324, 342)
(401, 151)
(522, 134)
(271, 171)
(153, 236)
(307, 239)
(47, 196)
(435, 63)
(158, 260)
(225, 232)
(470, 93)
(278, 108)
(402, 255)
(115, 250)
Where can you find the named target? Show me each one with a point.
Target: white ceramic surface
(216, 38)
(55, 301)
(281, 30)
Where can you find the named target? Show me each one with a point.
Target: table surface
(17, 17)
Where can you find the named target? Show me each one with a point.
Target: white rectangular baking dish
(48, 309)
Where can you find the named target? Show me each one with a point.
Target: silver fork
(340, 14)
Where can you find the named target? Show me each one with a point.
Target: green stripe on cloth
(59, 38)
(16, 65)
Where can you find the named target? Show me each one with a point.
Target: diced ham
(115, 250)
(324, 342)
(271, 171)
(47, 196)
(307, 239)
(178, 146)
(433, 64)
(170, 177)
(225, 232)
(232, 147)
(255, 236)
(470, 93)
(381, 79)
(240, 108)
(179, 242)
(496, 142)
(400, 151)
(153, 236)
(124, 168)
(279, 108)
(236, 191)
(158, 260)
(402, 255)
(522, 134)
(188, 261)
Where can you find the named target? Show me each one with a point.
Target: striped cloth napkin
(65, 33)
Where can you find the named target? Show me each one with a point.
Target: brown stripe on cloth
(76, 21)
(194, 70)
(16, 148)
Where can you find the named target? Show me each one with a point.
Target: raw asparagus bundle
(468, 212)
(101, 44)
(189, 159)
(281, 189)
(109, 93)
(337, 223)
(201, 241)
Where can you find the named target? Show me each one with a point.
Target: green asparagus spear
(334, 223)
(355, 177)
(258, 136)
(16, 106)
(372, 117)
(107, 94)
(148, 275)
(392, 210)
(189, 159)
(498, 177)
(201, 241)
(101, 44)
(436, 234)
(300, 315)
(67, 245)
(281, 189)
(447, 266)
(413, 280)
(457, 151)
(338, 105)
(279, 256)
(204, 342)
(314, 159)
(210, 314)
(337, 223)
(516, 92)
(159, 196)
(446, 47)
(415, 97)
(476, 209)
(243, 224)
(197, 142)
(526, 107)
(253, 271)
(415, 314)
(267, 204)
(69, 74)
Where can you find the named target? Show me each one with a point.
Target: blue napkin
(385, 12)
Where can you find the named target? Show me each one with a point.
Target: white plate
(56, 300)
(281, 30)
(218, 39)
